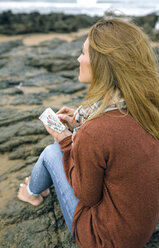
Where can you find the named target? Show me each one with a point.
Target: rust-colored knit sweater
(113, 167)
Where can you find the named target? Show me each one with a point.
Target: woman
(106, 173)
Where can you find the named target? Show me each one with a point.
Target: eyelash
(82, 52)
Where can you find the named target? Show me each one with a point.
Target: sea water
(90, 7)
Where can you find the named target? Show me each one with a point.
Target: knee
(48, 149)
(52, 150)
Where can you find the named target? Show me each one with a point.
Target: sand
(35, 39)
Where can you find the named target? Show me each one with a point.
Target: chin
(83, 81)
(79, 79)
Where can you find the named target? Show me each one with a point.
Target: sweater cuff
(65, 142)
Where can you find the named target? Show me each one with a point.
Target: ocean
(90, 7)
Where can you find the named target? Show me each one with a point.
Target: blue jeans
(49, 170)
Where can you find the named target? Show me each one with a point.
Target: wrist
(63, 135)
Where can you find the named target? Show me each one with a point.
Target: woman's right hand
(66, 116)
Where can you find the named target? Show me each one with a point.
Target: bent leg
(48, 169)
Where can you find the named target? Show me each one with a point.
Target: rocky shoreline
(31, 79)
(35, 22)
(13, 24)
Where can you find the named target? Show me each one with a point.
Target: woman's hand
(58, 136)
(66, 110)
(66, 116)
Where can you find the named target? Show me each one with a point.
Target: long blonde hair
(123, 64)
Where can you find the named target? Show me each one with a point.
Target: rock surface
(31, 79)
(35, 22)
(148, 23)
(29, 82)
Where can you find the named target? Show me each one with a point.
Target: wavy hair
(124, 65)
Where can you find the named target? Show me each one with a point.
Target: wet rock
(67, 88)
(7, 46)
(11, 116)
(59, 59)
(150, 19)
(69, 74)
(30, 99)
(19, 167)
(45, 79)
(18, 211)
(156, 50)
(45, 141)
(35, 22)
(6, 83)
(148, 24)
(9, 145)
(23, 151)
(27, 226)
(154, 241)
(12, 92)
(19, 130)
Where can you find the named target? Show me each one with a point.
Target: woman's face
(85, 72)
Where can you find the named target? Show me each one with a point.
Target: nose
(78, 59)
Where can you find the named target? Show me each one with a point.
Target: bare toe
(23, 195)
(27, 180)
(45, 193)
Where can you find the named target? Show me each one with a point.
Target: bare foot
(45, 193)
(23, 195)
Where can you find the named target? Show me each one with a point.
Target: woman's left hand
(58, 136)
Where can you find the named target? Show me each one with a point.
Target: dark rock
(73, 74)
(20, 130)
(9, 145)
(64, 57)
(30, 99)
(22, 151)
(34, 22)
(3, 85)
(12, 92)
(39, 147)
(156, 51)
(148, 24)
(7, 46)
(18, 211)
(150, 19)
(21, 230)
(68, 88)
(21, 166)
(50, 44)
(6, 83)
(12, 116)
(45, 79)
(154, 241)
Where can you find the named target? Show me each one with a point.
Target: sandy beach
(37, 38)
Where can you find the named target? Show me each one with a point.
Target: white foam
(90, 7)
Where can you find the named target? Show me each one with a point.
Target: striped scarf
(82, 114)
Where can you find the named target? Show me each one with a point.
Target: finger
(65, 118)
(49, 130)
(66, 110)
(63, 110)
